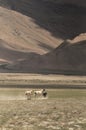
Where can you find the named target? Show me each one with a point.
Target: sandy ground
(43, 114)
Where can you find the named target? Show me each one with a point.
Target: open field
(33, 80)
(19, 93)
(63, 109)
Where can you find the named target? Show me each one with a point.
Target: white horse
(38, 92)
(28, 94)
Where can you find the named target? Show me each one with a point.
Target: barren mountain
(64, 19)
(21, 33)
(34, 36)
(68, 58)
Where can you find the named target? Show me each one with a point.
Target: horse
(28, 94)
(44, 93)
(38, 92)
(41, 92)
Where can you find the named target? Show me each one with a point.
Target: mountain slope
(68, 58)
(20, 32)
(64, 19)
(34, 36)
(11, 59)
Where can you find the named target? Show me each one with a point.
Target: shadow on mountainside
(67, 59)
(62, 20)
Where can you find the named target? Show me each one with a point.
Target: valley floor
(32, 80)
(54, 114)
(63, 109)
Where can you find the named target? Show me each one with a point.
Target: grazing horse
(28, 94)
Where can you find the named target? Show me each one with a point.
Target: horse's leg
(35, 94)
(29, 97)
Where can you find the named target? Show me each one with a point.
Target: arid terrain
(63, 109)
(41, 36)
(39, 80)
(38, 40)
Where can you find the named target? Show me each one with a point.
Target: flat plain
(9, 79)
(62, 109)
